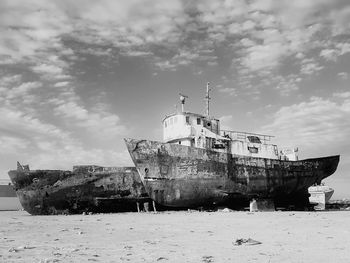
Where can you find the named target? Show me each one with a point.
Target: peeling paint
(205, 176)
(87, 188)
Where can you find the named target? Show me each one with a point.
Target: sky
(76, 77)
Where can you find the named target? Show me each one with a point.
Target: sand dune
(176, 237)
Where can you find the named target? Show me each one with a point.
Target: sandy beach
(186, 236)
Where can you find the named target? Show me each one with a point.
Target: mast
(207, 98)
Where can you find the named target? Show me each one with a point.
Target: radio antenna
(207, 98)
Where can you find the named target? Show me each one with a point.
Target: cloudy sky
(76, 77)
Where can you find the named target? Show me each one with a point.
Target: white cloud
(246, 42)
(269, 31)
(287, 86)
(96, 51)
(100, 124)
(45, 145)
(248, 25)
(263, 57)
(230, 91)
(309, 67)
(344, 48)
(30, 27)
(134, 53)
(21, 91)
(48, 69)
(152, 22)
(343, 75)
(27, 126)
(332, 54)
(75, 135)
(315, 126)
(165, 65)
(226, 122)
(343, 95)
(10, 79)
(61, 84)
(329, 54)
(12, 145)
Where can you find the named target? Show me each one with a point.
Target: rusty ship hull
(182, 176)
(85, 189)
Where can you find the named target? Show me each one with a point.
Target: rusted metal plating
(182, 176)
(86, 188)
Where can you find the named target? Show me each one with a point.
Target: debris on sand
(12, 249)
(20, 248)
(248, 242)
(161, 258)
(207, 259)
(225, 210)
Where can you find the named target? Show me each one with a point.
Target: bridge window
(187, 119)
(198, 121)
(254, 139)
(253, 149)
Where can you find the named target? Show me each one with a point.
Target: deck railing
(237, 135)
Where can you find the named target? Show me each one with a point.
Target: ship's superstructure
(203, 131)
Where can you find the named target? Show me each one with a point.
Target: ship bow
(142, 153)
(331, 164)
(131, 145)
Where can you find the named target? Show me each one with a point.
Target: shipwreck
(87, 188)
(199, 164)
